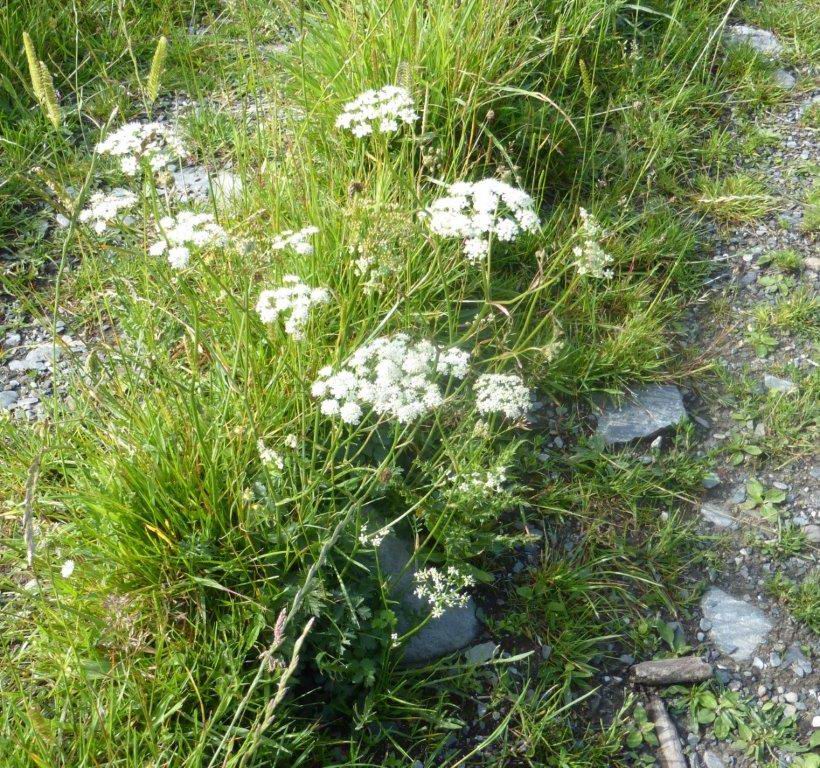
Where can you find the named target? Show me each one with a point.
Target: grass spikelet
(157, 67)
(49, 100)
(34, 69)
(586, 80)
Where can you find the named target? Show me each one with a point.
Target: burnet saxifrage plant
(399, 377)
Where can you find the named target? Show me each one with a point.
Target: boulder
(453, 630)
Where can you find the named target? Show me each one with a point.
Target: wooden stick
(690, 669)
(671, 754)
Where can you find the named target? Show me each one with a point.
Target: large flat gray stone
(737, 626)
(762, 40)
(453, 630)
(644, 413)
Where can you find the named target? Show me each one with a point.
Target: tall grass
(198, 567)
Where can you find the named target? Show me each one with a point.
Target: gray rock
(12, 340)
(786, 80)
(717, 516)
(38, 359)
(711, 760)
(647, 412)
(738, 494)
(761, 40)
(193, 184)
(453, 630)
(776, 384)
(481, 653)
(7, 399)
(737, 626)
(812, 531)
(796, 659)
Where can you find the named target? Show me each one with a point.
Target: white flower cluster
(382, 110)
(442, 589)
(157, 143)
(477, 211)
(502, 393)
(185, 230)
(395, 376)
(372, 539)
(590, 258)
(293, 299)
(486, 483)
(270, 458)
(299, 241)
(104, 207)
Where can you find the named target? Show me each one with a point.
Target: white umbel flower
(67, 569)
(477, 211)
(293, 300)
(269, 457)
(382, 111)
(442, 588)
(394, 376)
(299, 241)
(157, 143)
(185, 231)
(104, 207)
(590, 257)
(502, 393)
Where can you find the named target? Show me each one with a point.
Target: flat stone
(762, 40)
(797, 660)
(776, 384)
(453, 630)
(194, 184)
(737, 626)
(812, 533)
(786, 80)
(481, 653)
(712, 760)
(8, 398)
(717, 516)
(647, 412)
(38, 359)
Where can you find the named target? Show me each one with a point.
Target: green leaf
(634, 739)
(708, 700)
(705, 716)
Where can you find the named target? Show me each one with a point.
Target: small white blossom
(477, 211)
(442, 589)
(157, 143)
(299, 241)
(372, 539)
(590, 257)
(67, 569)
(395, 376)
(487, 483)
(383, 111)
(104, 207)
(270, 458)
(184, 231)
(293, 301)
(502, 393)
(292, 442)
